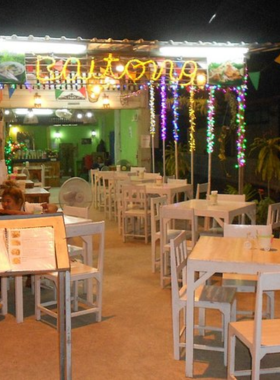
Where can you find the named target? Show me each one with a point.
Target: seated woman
(13, 202)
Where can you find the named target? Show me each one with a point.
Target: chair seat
(269, 327)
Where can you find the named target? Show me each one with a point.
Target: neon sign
(134, 69)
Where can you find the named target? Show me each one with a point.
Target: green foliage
(262, 209)
(268, 163)
(183, 166)
(248, 190)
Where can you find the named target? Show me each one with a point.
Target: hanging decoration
(152, 121)
(175, 124)
(210, 119)
(175, 111)
(192, 120)
(152, 109)
(163, 108)
(163, 119)
(241, 141)
(11, 147)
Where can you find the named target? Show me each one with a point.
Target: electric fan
(75, 192)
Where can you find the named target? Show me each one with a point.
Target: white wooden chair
(156, 204)
(201, 188)
(260, 336)
(79, 272)
(136, 213)
(246, 283)
(206, 297)
(119, 202)
(4, 296)
(273, 216)
(186, 218)
(93, 174)
(81, 212)
(109, 196)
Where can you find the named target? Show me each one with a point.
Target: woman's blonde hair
(12, 189)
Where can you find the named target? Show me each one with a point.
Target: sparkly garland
(210, 119)
(175, 111)
(152, 110)
(163, 108)
(241, 141)
(192, 119)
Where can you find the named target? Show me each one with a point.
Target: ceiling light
(41, 47)
(212, 53)
(79, 116)
(36, 111)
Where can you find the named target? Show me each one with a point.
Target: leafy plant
(262, 209)
(248, 190)
(170, 163)
(268, 163)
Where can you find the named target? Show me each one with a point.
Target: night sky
(187, 20)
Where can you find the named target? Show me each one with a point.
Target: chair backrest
(186, 215)
(178, 259)
(93, 228)
(156, 204)
(201, 188)
(26, 172)
(173, 180)
(232, 197)
(81, 212)
(273, 215)
(266, 282)
(242, 230)
(134, 196)
(137, 169)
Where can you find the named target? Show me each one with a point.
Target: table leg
(64, 325)
(89, 261)
(189, 322)
(19, 298)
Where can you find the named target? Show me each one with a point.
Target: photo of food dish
(226, 73)
(15, 242)
(16, 260)
(15, 252)
(11, 70)
(15, 234)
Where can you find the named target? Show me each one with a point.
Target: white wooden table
(223, 212)
(222, 255)
(170, 190)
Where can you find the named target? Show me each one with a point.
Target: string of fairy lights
(175, 107)
(211, 119)
(192, 90)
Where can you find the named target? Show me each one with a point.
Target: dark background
(181, 20)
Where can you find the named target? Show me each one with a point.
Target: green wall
(129, 136)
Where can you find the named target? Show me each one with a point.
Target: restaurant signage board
(12, 68)
(227, 73)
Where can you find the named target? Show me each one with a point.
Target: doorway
(66, 155)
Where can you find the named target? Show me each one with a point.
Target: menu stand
(58, 256)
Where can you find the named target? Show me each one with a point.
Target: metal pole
(209, 172)
(153, 152)
(176, 160)
(163, 156)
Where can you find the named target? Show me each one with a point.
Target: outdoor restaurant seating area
(157, 277)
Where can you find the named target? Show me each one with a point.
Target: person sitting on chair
(13, 202)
